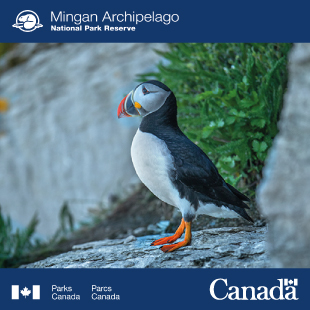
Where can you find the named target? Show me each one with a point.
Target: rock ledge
(228, 247)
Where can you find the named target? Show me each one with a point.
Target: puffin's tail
(241, 211)
(246, 216)
(237, 193)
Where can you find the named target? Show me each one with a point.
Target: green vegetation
(19, 246)
(229, 98)
(13, 245)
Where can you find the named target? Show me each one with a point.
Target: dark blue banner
(154, 289)
(155, 21)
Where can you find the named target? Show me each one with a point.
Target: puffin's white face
(149, 98)
(143, 100)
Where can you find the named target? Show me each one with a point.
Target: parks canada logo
(27, 21)
(25, 292)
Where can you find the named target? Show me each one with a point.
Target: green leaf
(230, 120)
(207, 131)
(259, 146)
(258, 122)
(255, 135)
(255, 145)
(220, 123)
(246, 103)
(232, 94)
(263, 146)
(204, 95)
(254, 96)
(245, 80)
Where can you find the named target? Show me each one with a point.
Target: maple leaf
(25, 292)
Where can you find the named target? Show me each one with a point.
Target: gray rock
(153, 229)
(140, 231)
(130, 239)
(233, 247)
(62, 139)
(284, 193)
(159, 228)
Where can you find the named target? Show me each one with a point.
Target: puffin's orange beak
(121, 112)
(126, 108)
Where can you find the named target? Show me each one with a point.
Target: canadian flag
(291, 282)
(15, 291)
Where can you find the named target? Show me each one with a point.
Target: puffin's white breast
(152, 161)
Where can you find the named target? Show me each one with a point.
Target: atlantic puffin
(174, 168)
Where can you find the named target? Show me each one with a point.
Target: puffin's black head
(145, 99)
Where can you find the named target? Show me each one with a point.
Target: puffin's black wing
(197, 179)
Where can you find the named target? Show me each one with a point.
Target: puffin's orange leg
(172, 238)
(186, 241)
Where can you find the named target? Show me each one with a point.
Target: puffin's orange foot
(186, 241)
(172, 238)
(172, 247)
(165, 240)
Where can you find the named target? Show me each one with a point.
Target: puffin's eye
(145, 91)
